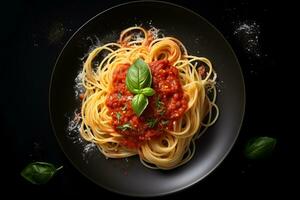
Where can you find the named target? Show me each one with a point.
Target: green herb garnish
(118, 115)
(139, 103)
(151, 123)
(260, 147)
(138, 82)
(162, 112)
(39, 172)
(119, 95)
(124, 127)
(158, 103)
(147, 91)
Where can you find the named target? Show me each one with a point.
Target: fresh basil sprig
(260, 147)
(138, 82)
(39, 172)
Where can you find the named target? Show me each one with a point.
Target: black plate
(130, 177)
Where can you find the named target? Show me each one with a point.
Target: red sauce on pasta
(167, 105)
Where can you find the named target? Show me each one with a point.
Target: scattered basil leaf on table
(39, 172)
(260, 147)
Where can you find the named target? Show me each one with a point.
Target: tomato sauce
(167, 105)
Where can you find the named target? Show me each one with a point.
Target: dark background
(31, 43)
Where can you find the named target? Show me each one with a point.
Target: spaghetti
(181, 109)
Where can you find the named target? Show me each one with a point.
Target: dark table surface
(32, 44)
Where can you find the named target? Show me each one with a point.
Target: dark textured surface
(32, 44)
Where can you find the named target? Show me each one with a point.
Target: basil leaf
(260, 147)
(145, 77)
(39, 172)
(138, 81)
(130, 86)
(148, 91)
(139, 104)
(138, 76)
